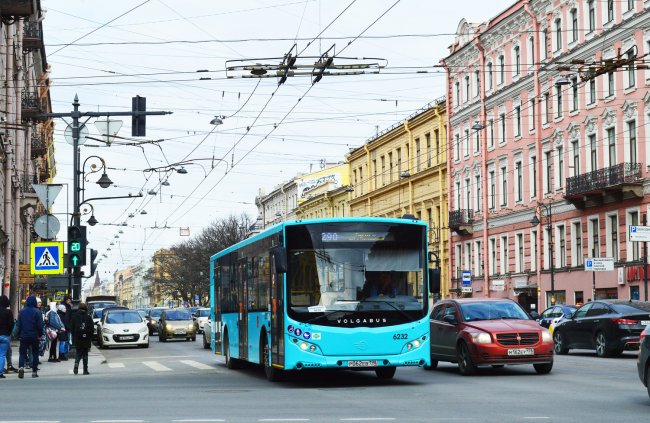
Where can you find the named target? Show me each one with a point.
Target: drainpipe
(484, 158)
(444, 290)
(374, 184)
(538, 130)
(450, 191)
(410, 159)
(20, 234)
(8, 168)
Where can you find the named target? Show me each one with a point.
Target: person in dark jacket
(82, 340)
(6, 326)
(30, 321)
(63, 335)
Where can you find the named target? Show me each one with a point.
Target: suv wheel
(559, 343)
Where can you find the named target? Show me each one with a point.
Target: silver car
(207, 333)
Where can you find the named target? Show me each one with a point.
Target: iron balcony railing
(460, 217)
(26, 182)
(30, 102)
(39, 146)
(622, 173)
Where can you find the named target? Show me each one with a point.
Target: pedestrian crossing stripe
(46, 258)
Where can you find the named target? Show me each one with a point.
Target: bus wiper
(326, 314)
(402, 312)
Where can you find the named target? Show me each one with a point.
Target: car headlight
(546, 336)
(107, 330)
(143, 329)
(481, 338)
(191, 327)
(169, 327)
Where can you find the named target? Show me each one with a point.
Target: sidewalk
(46, 369)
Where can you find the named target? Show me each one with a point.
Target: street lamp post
(535, 221)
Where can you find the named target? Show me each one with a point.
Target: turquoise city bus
(338, 293)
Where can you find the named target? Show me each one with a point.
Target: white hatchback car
(123, 328)
(201, 316)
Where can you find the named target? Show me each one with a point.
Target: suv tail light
(642, 336)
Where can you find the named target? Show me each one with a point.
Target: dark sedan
(554, 314)
(153, 316)
(643, 363)
(607, 326)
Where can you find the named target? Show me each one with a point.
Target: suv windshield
(369, 268)
(492, 310)
(123, 317)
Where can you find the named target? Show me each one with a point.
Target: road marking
(30, 421)
(156, 358)
(198, 420)
(283, 420)
(115, 365)
(362, 419)
(196, 364)
(156, 366)
(116, 421)
(537, 417)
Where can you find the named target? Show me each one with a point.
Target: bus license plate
(521, 351)
(362, 363)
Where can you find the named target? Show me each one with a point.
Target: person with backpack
(30, 321)
(82, 333)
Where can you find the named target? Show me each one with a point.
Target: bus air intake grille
(310, 365)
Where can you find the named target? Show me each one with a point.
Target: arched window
(558, 34)
(574, 25)
(502, 69)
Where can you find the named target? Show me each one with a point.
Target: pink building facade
(548, 116)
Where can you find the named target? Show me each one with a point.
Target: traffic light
(76, 245)
(93, 265)
(138, 116)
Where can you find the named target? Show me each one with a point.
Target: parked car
(554, 314)
(607, 326)
(153, 316)
(643, 362)
(119, 327)
(96, 315)
(207, 334)
(200, 317)
(477, 332)
(176, 324)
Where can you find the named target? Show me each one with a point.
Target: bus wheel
(231, 363)
(385, 372)
(272, 374)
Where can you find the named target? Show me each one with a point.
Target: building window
(517, 60)
(436, 135)
(631, 131)
(533, 176)
(491, 126)
(558, 34)
(630, 5)
(504, 187)
(592, 91)
(417, 154)
(520, 181)
(477, 79)
(610, 84)
(399, 162)
(558, 106)
(466, 144)
(457, 93)
(547, 108)
(574, 25)
(547, 166)
(477, 141)
(519, 265)
(457, 147)
(477, 179)
(533, 251)
(560, 166)
(504, 254)
(633, 247)
(459, 203)
(532, 114)
(492, 190)
(591, 6)
(502, 117)
(574, 93)
(517, 121)
(562, 245)
(548, 248)
(593, 152)
(502, 70)
(390, 167)
(478, 263)
(493, 256)
(490, 75)
(545, 43)
(468, 194)
(576, 241)
(383, 170)
(613, 237)
(468, 89)
(631, 79)
(594, 246)
(611, 143)
(575, 152)
(610, 10)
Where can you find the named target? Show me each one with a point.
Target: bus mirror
(434, 281)
(280, 259)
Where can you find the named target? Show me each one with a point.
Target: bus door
(217, 324)
(242, 316)
(277, 312)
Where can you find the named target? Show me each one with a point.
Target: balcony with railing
(461, 221)
(30, 104)
(610, 184)
(26, 184)
(39, 145)
(17, 8)
(32, 36)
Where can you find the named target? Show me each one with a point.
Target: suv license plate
(645, 322)
(521, 351)
(179, 332)
(362, 363)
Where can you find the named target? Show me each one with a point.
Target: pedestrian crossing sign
(46, 258)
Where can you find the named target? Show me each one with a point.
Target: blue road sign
(467, 278)
(46, 258)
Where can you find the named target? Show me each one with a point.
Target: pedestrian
(64, 338)
(82, 332)
(30, 321)
(54, 327)
(6, 326)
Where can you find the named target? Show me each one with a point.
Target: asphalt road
(180, 382)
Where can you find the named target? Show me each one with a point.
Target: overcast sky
(108, 52)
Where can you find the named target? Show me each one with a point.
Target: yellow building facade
(403, 170)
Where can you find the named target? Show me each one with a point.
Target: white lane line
(365, 419)
(30, 421)
(115, 365)
(156, 358)
(537, 417)
(198, 420)
(156, 366)
(196, 365)
(282, 420)
(116, 421)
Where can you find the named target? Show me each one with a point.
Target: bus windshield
(356, 269)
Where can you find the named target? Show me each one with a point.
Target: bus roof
(280, 228)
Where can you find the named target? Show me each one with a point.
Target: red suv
(477, 332)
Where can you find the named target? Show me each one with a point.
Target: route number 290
(398, 336)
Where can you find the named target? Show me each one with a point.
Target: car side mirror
(569, 316)
(451, 319)
(534, 315)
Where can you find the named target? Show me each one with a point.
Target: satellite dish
(47, 226)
